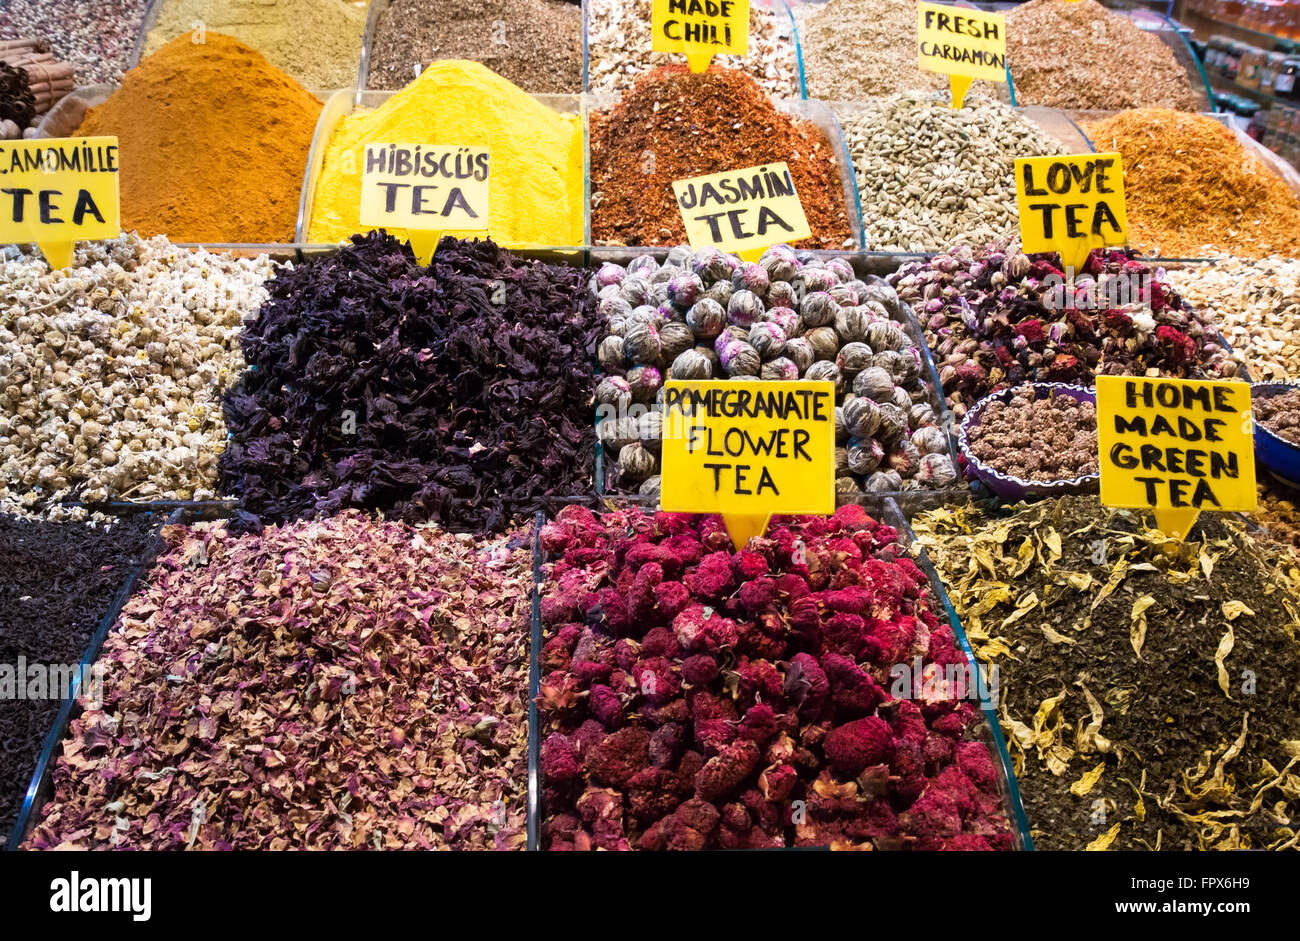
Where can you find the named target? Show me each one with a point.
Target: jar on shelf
(1284, 86)
(1252, 58)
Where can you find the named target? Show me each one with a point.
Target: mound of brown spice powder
(1192, 189)
(674, 124)
(213, 143)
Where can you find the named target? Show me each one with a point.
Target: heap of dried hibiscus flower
(343, 684)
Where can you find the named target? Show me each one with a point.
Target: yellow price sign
(57, 192)
(742, 212)
(426, 189)
(747, 450)
(1071, 205)
(962, 43)
(700, 28)
(1177, 446)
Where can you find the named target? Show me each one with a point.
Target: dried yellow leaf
(1103, 842)
(1225, 647)
(1116, 576)
(1080, 580)
(1055, 636)
(1137, 632)
(1089, 780)
(1235, 609)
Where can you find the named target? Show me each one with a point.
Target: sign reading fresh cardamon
(747, 450)
(700, 29)
(427, 189)
(962, 43)
(1071, 205)
(1176, 446)
(743, 212)
(58, 192)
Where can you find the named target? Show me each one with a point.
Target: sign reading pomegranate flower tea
(1176, 446)
(700, 29)
(58, 192)
(1071, 205)
(426, 189)
(963, 44)
(747, 450)
(742, 212)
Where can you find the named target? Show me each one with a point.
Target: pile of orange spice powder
(1193, 190)
(213, 142)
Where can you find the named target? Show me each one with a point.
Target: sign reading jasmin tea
(700, 28)
(1176, 446)
(747, 450)
(57, 192)
(1071, 205)
(742, 212)
(961, 43)
(426, 189)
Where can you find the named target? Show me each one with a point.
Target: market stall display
(361, 528)
(1194, 190)
(929, 176)
(536, 154)
(111, 380)
(1149, 695)
(456, 393)
(705, 315)
(1053, 54)
(60, 580)
(323, 56)
(674, 124)
(1255, 305)
(618, 47)
(995, 317)
(326, 703)
(198, 123)
(96, 36)
(693, 696)
(536, 44)
(859, 49)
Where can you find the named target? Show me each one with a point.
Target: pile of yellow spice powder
(535, 153)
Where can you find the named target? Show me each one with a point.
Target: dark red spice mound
(695, 697)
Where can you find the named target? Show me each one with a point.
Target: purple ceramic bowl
(1013, 489)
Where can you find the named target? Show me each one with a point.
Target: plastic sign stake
(742, 212)
(58, 192)
(1071, 205)
(1175, 446)
(426, 189)
(747, 450)
(962, 43)
(700, 28)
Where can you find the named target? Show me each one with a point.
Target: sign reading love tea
(57, 192)
(1071, 205)
(427, 190)
(700, 28)
(1176, 446)
(747, 450)
(742, 212)
(964, 44)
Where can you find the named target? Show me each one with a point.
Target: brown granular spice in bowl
(1280, 414)
(674, 124)
(1192, 189)
(1047, 439)
(1083, 56)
